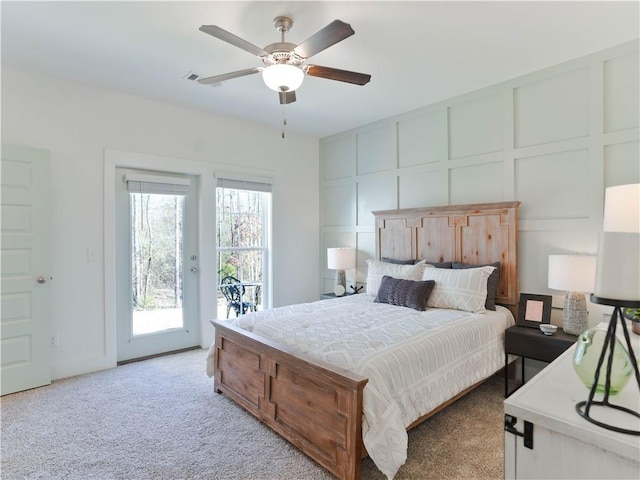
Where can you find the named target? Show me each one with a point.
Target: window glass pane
(229, 265)
(245, 265)
(239, 217)
(156, 261)
(251, 265)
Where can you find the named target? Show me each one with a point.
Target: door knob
(41, 279)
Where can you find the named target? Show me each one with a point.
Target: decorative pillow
(376, 270)
(459, 289)
(405, 293)
(492, 283)
(440, 264)
(411, 261)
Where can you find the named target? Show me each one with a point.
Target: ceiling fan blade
(234, 40)
(339, 75)
(333, 33)
(228, 76)
(287, 97)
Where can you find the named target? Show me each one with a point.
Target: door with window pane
(157, 265)
(242, 229)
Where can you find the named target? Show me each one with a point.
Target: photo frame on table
(533, 310)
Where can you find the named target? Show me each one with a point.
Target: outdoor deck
(150, 321)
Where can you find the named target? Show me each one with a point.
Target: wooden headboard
(477, 234)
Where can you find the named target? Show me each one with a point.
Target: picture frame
(533, 310)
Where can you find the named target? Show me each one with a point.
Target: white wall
(78, 123)
(553, 139)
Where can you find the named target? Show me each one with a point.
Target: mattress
(414, 360)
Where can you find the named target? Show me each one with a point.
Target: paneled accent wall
(553, 139)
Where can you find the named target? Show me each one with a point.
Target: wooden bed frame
(318, 407)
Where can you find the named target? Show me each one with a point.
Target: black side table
(528, 342)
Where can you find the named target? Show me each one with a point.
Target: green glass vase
(585, 360)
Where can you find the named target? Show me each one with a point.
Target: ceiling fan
(284, 62)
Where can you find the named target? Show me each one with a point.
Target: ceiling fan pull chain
(284, 121)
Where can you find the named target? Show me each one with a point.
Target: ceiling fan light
(283, 77)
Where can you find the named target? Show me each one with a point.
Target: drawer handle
(510, 426)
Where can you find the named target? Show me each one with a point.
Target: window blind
(137, 183)
(244, 185)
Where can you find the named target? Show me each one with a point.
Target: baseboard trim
(147, 357)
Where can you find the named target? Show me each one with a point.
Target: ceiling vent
(191, 76)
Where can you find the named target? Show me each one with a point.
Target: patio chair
(233, 292)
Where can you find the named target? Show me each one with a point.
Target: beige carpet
(159, 419)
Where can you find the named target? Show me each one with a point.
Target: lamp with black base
(617, 285)
(584, 407)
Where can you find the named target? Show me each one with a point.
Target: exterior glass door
(157, 263)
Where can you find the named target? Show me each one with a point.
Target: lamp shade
(618, 267)
(572, 273)
(622, 209)
(341, 258)
(283, 77)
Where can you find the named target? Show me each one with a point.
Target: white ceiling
(418, 53)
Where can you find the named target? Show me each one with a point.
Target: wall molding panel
(553, 139)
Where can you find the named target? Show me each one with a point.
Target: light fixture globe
(282, 77)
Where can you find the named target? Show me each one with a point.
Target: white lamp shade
(341, 258)
(572, 273)
(283, 77)
(618, 269)
(622, 209)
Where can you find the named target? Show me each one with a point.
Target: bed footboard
(316, 407)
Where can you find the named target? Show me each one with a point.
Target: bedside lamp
(340, 259)
(617, 285)
(574, 274)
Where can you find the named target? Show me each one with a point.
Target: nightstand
(527, 342)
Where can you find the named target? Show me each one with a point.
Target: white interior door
(25, 269)
(156, 263)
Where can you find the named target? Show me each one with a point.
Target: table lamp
(574, 274)
(340, 259)
(617, 285)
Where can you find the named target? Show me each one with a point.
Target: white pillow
(459, 289)
(376, 270)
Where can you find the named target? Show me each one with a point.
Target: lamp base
(575, 317)
(340, 282)
(584, 408)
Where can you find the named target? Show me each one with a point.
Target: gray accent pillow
(413, 262)
(405, 293)
(399, 262)
(492, 281)
(440, 264)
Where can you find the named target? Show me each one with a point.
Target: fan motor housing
(282, 52)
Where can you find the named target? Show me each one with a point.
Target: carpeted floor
(159, 419)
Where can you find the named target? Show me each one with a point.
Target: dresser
(554, 442)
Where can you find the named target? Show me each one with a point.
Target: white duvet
(414, 360)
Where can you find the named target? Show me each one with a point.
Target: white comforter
(414, 360)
